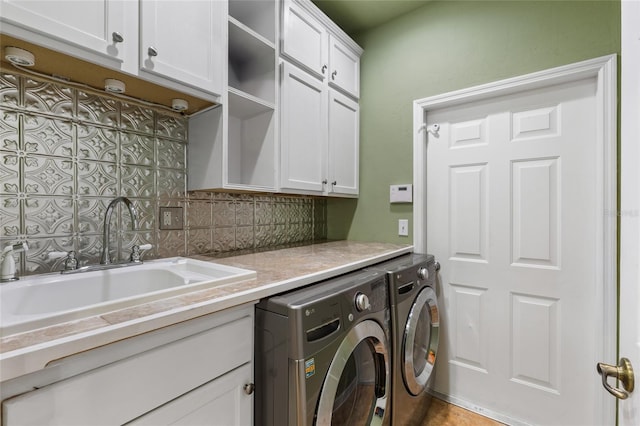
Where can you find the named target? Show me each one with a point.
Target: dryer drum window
(355, 388)
(420, 342)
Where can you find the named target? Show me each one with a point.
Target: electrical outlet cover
(171, 218)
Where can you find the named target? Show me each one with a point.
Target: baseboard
(478, 410)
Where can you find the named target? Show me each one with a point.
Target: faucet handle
(56, 254)
(71, 261)
(136, 252)
(8, 263)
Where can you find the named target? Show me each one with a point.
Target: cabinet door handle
(249, 388)
(152, 51)
(324, 181)
(333, 74)
(334, 183)
(117, 37)
(324, 69)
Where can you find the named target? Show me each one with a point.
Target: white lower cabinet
(222, 401)
(198, 378)
(319, 136)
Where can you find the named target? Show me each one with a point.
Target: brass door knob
(623, 372)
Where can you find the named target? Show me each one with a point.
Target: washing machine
(415, 324)
(322, 354)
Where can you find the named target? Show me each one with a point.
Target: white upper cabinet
(344, 137)
(344, 72)
(305, 40)
(183, 41)
(319, 122)
(311, 41)
(319, 141)
(107, 29)
(303, 137)
(235, 147)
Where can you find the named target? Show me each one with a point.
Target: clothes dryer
(322, 354)
(415, 324)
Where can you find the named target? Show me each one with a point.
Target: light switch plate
(171, 218)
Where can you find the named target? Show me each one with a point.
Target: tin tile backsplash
(66, 153)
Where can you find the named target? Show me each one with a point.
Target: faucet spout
(105, 258)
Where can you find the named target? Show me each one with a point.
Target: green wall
(438, 48)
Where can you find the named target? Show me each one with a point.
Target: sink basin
(40, 301)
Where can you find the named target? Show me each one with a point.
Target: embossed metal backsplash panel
(65, 153)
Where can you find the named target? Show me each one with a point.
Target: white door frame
(605, 71)
(629, 410)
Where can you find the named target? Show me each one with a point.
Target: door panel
(305, 40)
(303, 130)
(512, 215)
(344, 144)
(344, 67)
(188, 54)
(88, 24)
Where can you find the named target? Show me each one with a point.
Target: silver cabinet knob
(249, 388)
(152, 51)
(324, 69)
(117, 37)
(333, 74)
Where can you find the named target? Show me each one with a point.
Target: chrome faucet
(105, 258)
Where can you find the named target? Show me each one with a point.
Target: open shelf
(252, 63)
(251, 148)
(257, 15)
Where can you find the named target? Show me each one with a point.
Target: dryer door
(356, 386)
(420, 341)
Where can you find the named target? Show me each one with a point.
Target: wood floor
(444, 414)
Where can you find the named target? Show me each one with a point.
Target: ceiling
(355, 16)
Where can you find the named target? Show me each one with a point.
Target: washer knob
(423, 273)
(362, 302)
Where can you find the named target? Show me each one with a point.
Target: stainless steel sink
(40, 301)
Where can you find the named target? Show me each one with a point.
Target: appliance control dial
(362, 302)
(423, 273)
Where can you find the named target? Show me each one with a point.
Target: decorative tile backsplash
(65, 153)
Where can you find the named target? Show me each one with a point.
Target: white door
(190, 54)
(629, 409)
(303, 130)
(344, 144)
(513, 217)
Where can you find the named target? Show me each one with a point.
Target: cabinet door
(183, 41)
(124, 390)
(304, 40)
(344, 67)
(222, 401)
(344, 144)
(303, 130)
(94, 25)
